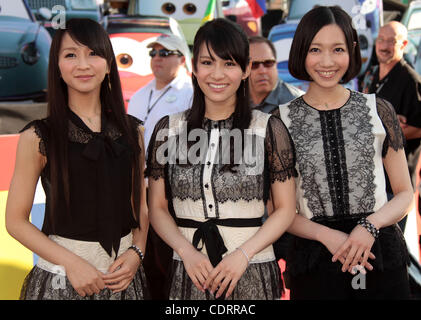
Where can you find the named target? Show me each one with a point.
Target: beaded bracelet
(369, 226)
(245, 254)
(138, 251)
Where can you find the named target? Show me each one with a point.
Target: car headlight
(363, 42)
(30, 53)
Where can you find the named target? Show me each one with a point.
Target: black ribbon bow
(208, 232)
(105, 151)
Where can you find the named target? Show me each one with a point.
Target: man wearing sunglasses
(170, 91)
(267, 93)
(266, 90)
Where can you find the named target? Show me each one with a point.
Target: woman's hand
(84, 277)
(122, 271)
(227, 272)
(357, 249)
(334, 240)
(197, 266)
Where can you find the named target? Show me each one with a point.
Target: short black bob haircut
(309, 26)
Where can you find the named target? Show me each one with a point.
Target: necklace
(325, 104)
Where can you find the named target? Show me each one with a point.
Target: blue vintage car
(367, 17)
(24, 50)
(92, 9)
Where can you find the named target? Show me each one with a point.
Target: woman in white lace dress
(206, 199)
(343, 140)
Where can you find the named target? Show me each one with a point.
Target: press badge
(171, 98)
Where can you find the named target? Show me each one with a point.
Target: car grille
(36, 4)
(8, 62)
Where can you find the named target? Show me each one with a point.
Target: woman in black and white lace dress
(211, 169)
(90, 157)
(343, 140)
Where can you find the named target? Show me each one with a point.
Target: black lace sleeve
(155, 167)
(394, 135)
(135, 121)
(41, 130)
(136, 125)
(280, 151)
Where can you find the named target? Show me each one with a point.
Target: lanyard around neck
(150, 107)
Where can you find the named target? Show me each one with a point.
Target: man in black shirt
(397, 82)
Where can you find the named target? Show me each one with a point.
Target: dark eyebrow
(69, 48)
(333, 44)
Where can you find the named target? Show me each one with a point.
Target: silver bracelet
(138, 251)
(245, 254)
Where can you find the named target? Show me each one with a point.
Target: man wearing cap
(170, 91)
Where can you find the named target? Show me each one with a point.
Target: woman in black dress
(90, 157)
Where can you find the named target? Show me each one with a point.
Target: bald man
(397, 82)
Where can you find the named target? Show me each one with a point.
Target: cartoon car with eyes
(189, 14)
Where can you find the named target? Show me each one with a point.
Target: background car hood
(15, 32)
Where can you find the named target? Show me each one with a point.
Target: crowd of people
(210, 178)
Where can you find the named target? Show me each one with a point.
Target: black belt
(208, 232)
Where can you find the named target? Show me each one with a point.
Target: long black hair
(228, 41)
(89, 33)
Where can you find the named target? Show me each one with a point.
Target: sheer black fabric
(279, 152)
(100, 182)
(394, 135)
(154, 168)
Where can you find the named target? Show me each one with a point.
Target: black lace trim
(155, 169)
(361, 149)
(75, 133)
(335, 160)
(335, 155)
(260, 281)
(41, 130)
(227, 185)
(395, 138)
(42, 285)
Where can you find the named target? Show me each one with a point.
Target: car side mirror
(45, 13)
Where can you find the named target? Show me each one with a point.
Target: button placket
(207, 172)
